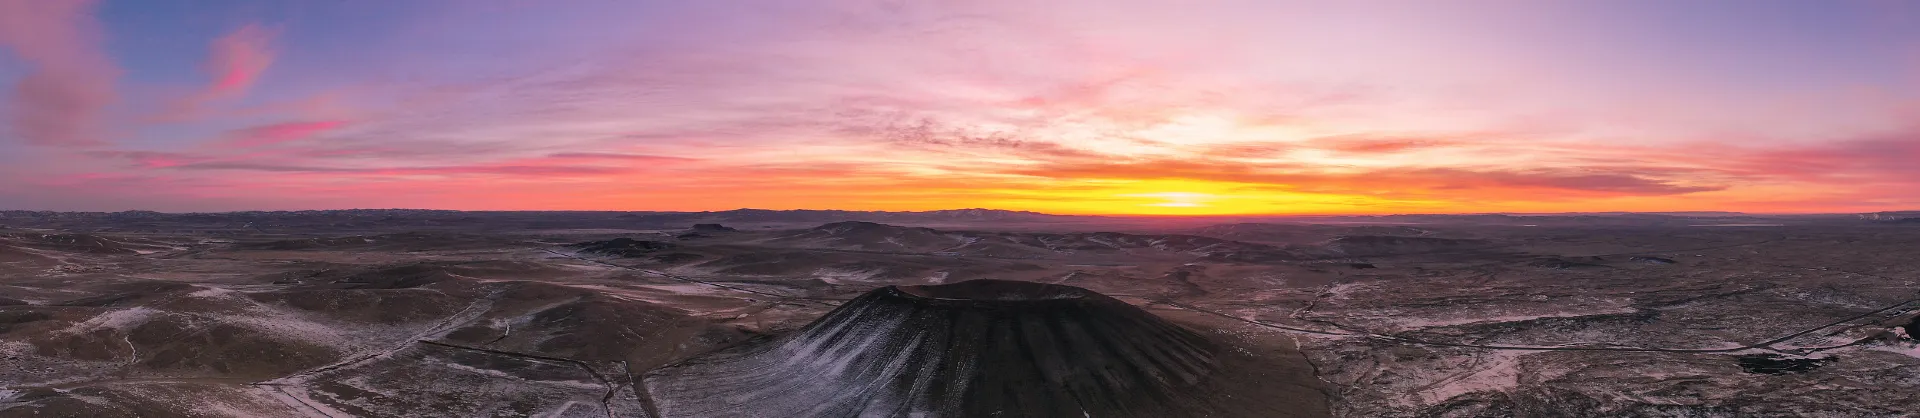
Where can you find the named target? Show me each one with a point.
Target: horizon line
(1113, 215)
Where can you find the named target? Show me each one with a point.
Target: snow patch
(119, 320)
(299, 399)
(295, 329)
(1339, 291)
(1469, 320)
(1909, 350)
(684, 288)
(223, 409)
(837, 276)
(496, 374)
(212, 292)
(1497, 371)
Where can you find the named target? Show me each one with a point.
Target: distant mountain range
(807, 215)
(360, 219)
(382, 219)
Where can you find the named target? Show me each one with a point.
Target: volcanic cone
(983, 348)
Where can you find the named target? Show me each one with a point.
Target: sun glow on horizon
(1149, 197)
(1178, 199)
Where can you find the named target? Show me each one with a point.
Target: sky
(1069, 106)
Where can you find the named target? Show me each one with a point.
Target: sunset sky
(1114, 107)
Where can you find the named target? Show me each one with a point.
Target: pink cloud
(238, 59)
(280, 132)
(235, 62)
(528, 169)
(147, 159)
(62, 99)
(616, 156)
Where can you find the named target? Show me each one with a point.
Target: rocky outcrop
(712, 228)
(1777, 364)
(1653, 260)
(623, 247)
(868, 236)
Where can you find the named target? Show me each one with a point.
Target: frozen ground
(417, 314)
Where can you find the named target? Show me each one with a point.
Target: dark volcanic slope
(981, 348)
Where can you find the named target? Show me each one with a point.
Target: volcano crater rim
(995, 291)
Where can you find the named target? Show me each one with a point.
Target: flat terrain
(419, 313)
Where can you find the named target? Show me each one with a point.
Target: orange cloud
(618, 157)
(1440, 183)
(1367, 144)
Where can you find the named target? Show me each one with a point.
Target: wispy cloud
(619, 157)
(146, 159)
(235, 62)
(238, 59)
(486, 170)
(63, 98)
(1436, 183)
(1376, 144)
(278, 133)
(1079, 106)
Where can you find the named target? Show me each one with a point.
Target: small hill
(623, 247)
(712, 228)
(1111, 241)
(15, 255)
(80, 244)
(404, 241)
(868, 236)
(765, 263)
(1384, 246)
